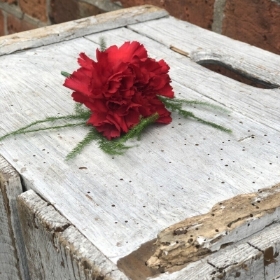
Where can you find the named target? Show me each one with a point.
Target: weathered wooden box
(187, 202)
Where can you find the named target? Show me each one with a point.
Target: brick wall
(21, 15)
(256, 22)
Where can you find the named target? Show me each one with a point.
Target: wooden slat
(77, 28)
(227, 223)
(63, 252)
(254, 258)
(240, 262)
(201, 44)
(261, 105)
(268, 242)
(12, 251)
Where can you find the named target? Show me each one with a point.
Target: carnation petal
(85, 61)
(167, 91)
(126, 53)
(76, 84)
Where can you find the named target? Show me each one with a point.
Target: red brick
(15, 25)
(199, 12)
(66, 10)
(255, 22)
(35, 8)
(2, 24)
(87, 10)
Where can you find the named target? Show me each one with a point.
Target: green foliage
(65, 74)
(176, 105)
(102, 44)
(116, 146)
(26, 129)
(92, 135)
(192, 102)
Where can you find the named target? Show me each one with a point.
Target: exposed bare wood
(228, 222)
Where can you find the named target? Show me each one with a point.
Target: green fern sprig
(117, 146)
(52, 127)
(91, 135)
(102, 44)
(112, 147)
(176, 105)
(23, 130)
(192, 102)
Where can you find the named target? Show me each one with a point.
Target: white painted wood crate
(98, 217)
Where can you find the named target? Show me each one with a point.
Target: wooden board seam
(78, 28)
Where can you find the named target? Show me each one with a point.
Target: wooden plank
(77, 28)
(63, 252)
(268, 242)
(227, 223)
(179, 170)
(240, 262)
(256, 257)
(201, 45)
(200, 270)
(12, 251)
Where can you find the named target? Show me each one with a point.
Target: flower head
(120, 87)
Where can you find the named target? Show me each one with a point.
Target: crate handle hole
(235, 74)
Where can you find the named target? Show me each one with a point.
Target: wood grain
(77, 28)
(64, 253)
(203, 45)
(227, 223)
(254, 258)
(12, 251)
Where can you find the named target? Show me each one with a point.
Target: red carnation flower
(121, 87)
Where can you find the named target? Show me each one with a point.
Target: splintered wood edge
(227, 223)
(78, 28)
(59, 244)
(14, 263)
